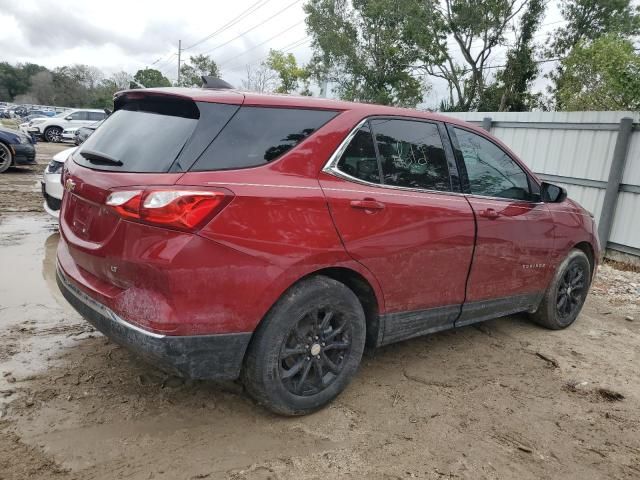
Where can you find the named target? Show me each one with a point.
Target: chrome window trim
(331, 168)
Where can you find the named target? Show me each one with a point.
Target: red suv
(222, 234)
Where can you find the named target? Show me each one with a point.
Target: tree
(590, 19)
(587, 20)
(260, 79)
(198, 66)
(601, 75)
(150, 77)
(511, 91)
(42, 88)
(363, 47)
(286, 69)
(458, 38)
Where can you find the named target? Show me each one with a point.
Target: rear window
(143, 136)
(258, 135)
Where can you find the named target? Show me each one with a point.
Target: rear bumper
(216, 357)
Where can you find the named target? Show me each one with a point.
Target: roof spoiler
(214, 82)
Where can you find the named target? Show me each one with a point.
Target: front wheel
(53, 134)
(5, 158)
(566, 294)
(307, 349)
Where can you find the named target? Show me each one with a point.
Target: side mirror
(551, 193)
(68, 118)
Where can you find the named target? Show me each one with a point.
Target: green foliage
(587, 21)
(458, 37)
(511, 90)
(289, 73)
(601, 75)
(199, 65)
(150, 77)
(590, 19)
(363, 47)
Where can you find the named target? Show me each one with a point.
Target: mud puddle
(35, 322)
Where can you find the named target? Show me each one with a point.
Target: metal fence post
(605, 222)
(486, 123)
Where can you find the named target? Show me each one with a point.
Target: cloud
(48, 24)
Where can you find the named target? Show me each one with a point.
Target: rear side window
(411, 154)
(359, 159)
(258, 135)
(96, 116)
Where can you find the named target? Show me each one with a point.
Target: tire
(285, 370)
(566, 294)
(6, 158)
(52, 134)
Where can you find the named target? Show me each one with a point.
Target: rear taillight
(184, 209)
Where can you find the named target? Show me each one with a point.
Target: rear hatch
(150, 140)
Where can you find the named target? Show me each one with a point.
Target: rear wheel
(5, 157)
(53, 134)
(307, 348)
(566, 294)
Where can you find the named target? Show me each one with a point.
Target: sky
(129, 35)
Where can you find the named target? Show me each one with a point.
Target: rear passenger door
(510, 268)
(389, 189)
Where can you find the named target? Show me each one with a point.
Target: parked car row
(64, 125)
(9, 110)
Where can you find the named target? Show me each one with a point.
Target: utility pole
(179, 53)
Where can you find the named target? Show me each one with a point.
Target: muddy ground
(505, 399)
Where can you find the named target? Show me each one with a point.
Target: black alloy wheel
(571, 290)
(313, 354)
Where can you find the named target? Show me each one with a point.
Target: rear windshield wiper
(100, 158)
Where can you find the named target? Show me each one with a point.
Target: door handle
(367, 204)
(489, 213)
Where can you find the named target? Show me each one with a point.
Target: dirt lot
(504, 399)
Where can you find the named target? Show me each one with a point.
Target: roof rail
(214, 82)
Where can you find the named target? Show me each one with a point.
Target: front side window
(491, 171)
(79, 116)
(411, 154)
(359, 159)
(258, 135)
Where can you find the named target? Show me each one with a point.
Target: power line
(253, 28)
(260, 44)
(290, 46)
(254, 7)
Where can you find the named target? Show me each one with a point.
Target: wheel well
(365, 293)
(587, 249)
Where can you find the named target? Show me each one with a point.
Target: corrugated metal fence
(594, 155)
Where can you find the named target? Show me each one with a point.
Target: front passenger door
(515, 231)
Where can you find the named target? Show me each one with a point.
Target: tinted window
(256, 135)
(359, 159)
(490, 170)
(412, 154)
(79, 116)
(143, 141)
(96, 116)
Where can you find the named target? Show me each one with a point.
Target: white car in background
(50, 129)
(69, 134)
(51, 185)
